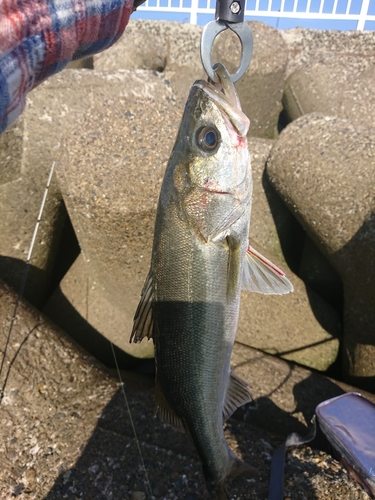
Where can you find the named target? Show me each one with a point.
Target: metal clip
(229, 15)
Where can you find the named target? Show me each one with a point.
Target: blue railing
(282, 14)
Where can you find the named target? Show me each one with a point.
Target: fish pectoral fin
(233, 269)
(238, 394)
(261, 276)
(142, 323)
(164, 410)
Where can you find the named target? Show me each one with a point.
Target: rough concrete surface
(65, 430)
(27, 151)
(300, 326)
(308, 45)
(271, 221)
(323, 167)
(66, 433)
(316, 272)
(146, 48)
(110, 167)
(175, 49)
(262, 86)
(333, 88)
(81, 308)
(171, 47)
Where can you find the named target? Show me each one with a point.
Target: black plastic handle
(230, 11)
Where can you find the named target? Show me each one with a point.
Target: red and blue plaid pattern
(39, 37)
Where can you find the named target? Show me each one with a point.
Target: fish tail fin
(219, 490)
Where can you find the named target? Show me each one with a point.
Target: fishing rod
(14, 315)
(22, 286)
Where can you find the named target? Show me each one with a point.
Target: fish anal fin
(262, 276)
(142, 323)
(238, 394)
(164, 410)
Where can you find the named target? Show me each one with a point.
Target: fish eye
(208, 139)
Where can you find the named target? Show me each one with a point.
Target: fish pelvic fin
(143, 323)
(238, 394)
(261, 276)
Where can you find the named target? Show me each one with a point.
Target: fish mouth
(225, 96)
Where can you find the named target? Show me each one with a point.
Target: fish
(201, 259)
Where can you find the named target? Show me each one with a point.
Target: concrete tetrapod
(109, 167)
(324, 168)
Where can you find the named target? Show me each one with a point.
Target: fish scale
(191, 298)
(194, 334)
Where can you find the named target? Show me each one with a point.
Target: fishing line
(24, 278)
(14, 359)
(14, 315)
(131, 419)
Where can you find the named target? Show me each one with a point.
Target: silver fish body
(191, 299)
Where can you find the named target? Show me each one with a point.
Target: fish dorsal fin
(142, 323)
(164, 411)
(260, 275)
(237, 395)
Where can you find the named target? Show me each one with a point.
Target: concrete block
(324, 169)
(27, 151)
(118, 131)
(301, 326)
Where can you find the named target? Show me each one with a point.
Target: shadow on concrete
(34, 281)
(64, 314)
(293, 238)
(110, 464)
(279, 424)
(290, 232)
(357, 258)
(39, 283)
(358, 315)
(307, 394)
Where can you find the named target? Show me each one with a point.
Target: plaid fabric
(39, 37)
